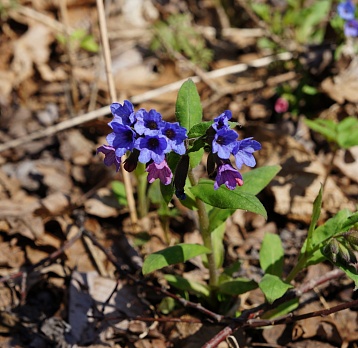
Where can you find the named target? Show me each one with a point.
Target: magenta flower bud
(281, 105)
(110, 156)
(159, 171)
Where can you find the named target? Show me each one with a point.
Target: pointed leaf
(188, 285)
(188, 110)
(218, 216)
(223, 198)
(273, 287)
(317, 205)
(237, 286)
(271, 254)
(172, 255)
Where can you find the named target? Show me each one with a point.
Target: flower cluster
(223, 143)
(148, 139)
(346, 10)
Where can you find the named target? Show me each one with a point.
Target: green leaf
(224, 198)
(199, 129)
(188, 110)
(172, 255)
(257, 179)
(273, 287)
(120, 192)
(327, 128)
(282, 309)
(188, 285)
(195, 158)
(166, 305)
(271, 254)
(317, 206)
(237, 286)
(350, 222)
(89, 44)
(217, 216)
(347, 131)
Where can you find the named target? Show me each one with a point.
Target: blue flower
(122, 138)
(346, 10)
(110, 156)
(148, 123)
(222, 121)
(151, 148)
(229, 176)
(175, 137)
(243, 152)
(224, 142)
(123, 112)
(159, 171)
(351, 28)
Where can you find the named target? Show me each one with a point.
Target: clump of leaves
(179, 35)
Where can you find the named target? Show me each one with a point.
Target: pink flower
(229, 176)
(281, 105)
(159, 171)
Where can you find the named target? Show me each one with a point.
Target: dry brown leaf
(343, 86)
(56, 203)
(347, 162)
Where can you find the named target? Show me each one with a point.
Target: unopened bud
(181, 173)
(132, 161)
(351, 237)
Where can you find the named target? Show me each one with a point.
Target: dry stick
(76, 121)
(112, 91)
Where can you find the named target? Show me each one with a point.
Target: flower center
(152, 125)
(170, 134)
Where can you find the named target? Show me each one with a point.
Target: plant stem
(204, 230)
(142, 190)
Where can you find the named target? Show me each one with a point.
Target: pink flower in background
(281, 105)
(159, 171)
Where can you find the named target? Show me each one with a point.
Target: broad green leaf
(271, 254)
(166, 305)
(172, 255)
(233, 268)
(347, 131)
(282, 309)
(223, 198)
(257, 179)
(327, 128)
(317, 205)
(199, 129)
(273, 287)
(195, 158)
(237, 286)
(188, 285)
(350, 222)
(188, 110)
(217, 216)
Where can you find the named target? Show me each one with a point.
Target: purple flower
(151, 148)
(110, 156)
(122, 139)
(148, 123)
(281, 105)
(222, 121)
(229, 176)
(175, 137)
(243, 152)
(159, 171)
(123, 112)
(351, 28)
(224, 142)
(346, 10)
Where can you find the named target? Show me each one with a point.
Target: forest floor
(70, 257)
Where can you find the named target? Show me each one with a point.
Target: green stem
(142, 190)
(204, 229)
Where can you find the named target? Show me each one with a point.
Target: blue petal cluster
(147, 136)
(224, 143)
(346, 10)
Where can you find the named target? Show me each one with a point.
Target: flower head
(351, 28)
(229, 176)
(346, 10)
(148, 123)
(159, 171)
(151, 148)
(222, 121)
(224, 142)
(243, 152)
(110, 156)
(175, 137)
(122, 138)
(123, 112)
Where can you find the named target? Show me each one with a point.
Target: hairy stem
(204, 230)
